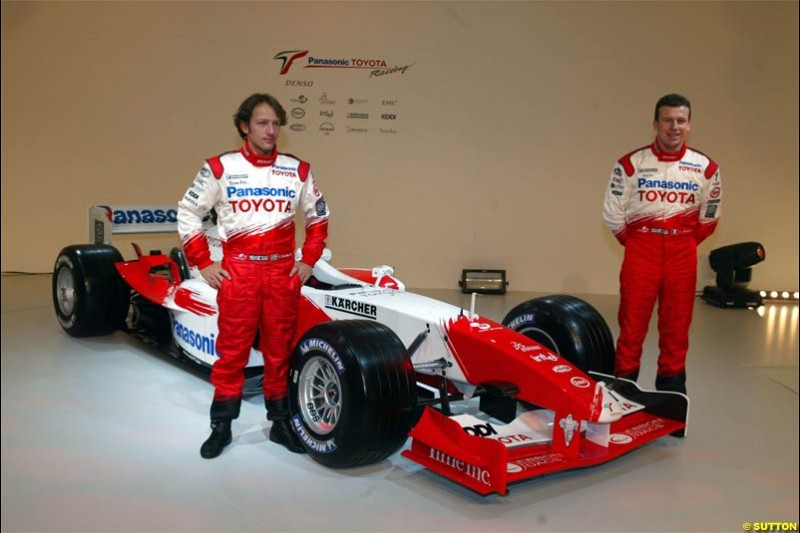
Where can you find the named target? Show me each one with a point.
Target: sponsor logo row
(300, 113)
(327, 128)
(302, 99)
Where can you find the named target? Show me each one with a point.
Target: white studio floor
(103, 435)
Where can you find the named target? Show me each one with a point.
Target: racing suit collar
(258, 160)
(663, 155)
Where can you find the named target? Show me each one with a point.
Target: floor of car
(103, 434)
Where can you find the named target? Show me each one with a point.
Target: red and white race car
(374, 364)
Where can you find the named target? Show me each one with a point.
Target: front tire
(89, 296)
(352, 392)
(569, 327)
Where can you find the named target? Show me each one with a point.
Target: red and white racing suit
(660, 205)
(256, 198)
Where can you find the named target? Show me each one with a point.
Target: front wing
(488, 465)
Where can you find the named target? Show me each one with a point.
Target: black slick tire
(89, 296)
(352, 392)
(569, 327)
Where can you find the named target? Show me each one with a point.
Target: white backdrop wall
(508, 118)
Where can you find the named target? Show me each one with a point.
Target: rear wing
(105, 220)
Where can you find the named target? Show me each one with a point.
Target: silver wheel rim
(65, 291)
(320, 395)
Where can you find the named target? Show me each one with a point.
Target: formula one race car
(374, 364)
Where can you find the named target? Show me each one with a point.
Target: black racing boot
(675, 383)
(222, 413)
(632, 375)
(281, 430)
(220, 437)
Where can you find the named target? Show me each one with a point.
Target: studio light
(733, 265)
(781, 296)
(483, 281)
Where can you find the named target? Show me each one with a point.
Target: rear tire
(569, 327)
(89, 296)
(352, 392)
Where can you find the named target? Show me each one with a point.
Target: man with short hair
(255, 192)
(662, 201)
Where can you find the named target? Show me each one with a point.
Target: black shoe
(282, 433)
(220, 437)
(633, 375)
(676, 383)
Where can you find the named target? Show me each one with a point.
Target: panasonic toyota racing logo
(378, 66)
